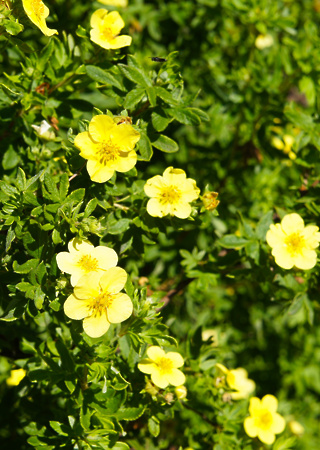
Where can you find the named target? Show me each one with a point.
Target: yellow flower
(237, 379)
(15, 377)
(97, 300)
(37, 12)
(84, 258)
(119, 3)
(171, 194)
(293, 244)
(296, 428)
(264, 421)
(107, 147)
(105, 29)
(264, 41)
(163, 367)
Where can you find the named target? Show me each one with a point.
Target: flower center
(107, 152)
(265, 420)
(88, 264)
(99, 304)
(107, 33)
(38, 8)
(165, 365)
(170, 194)
(295, 243)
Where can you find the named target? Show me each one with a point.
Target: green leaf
(75, 196)
(297, 303)
(63, 186)
(134, 97)
(184, 115)
(232, 241)
(145, 147)
(118, 226)
(21, 181)
(60, 428)
(159, 120)
(9, 239)
(165, 144)
(264, 225)
(152, 96)
(51, 187)
(91, 206)
(136, 75)
(130, 413)
(10, 159)
(104, 77)
(166, 96)
(26, 267)
(154, 426)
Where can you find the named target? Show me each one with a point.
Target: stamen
(295, 243)
(164, 364)
(87, 263)
(101, 303)
(107, 151)
(170, 194)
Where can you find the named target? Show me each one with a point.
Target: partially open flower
(106, 28)
(44, 131)
(264, 422)
(163, 367)
(84, 258)
(37, 12)
(97, 300)
(264, 41)
(108, 147)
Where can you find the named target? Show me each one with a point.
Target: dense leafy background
(212, 109)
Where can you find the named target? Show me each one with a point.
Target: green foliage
(207, 286)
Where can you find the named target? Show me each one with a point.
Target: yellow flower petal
(154, 352)
(88, 148)
(275, 235)
(120, 309)
(291, 223)
(100, 127)
(222, 368)
(37, 12)
(176, 359)
(126, 162)
(96, 325)
(114, 21)
(98, 172)
(306, 260)
(176, 377)
(125, 136)
(154, 208)
(279, 423)
(159, 379)
(146, 366)
(97, 17)
(88, 286)
(119, 42)
(250, 427)
(75, 308)
(182, 210)
(254, 406)
(266, 436)
(113, 280)
(119, 3)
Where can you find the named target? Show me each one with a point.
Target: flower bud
(43, 131)
(209, 200)
(181, 392)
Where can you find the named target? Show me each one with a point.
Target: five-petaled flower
(84, 258)
(106, 28)
(171, 194)
(37, 12)
(97, 299)
(163, 367)
(237, 379)
(107, 147)
(264, 421)
(293, 244)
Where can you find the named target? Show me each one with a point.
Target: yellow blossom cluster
(97, 284)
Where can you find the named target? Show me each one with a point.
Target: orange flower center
(88, 264)
(170, 194)
(264, 420)
(99, 304)
(38, 8)
(295, 243)
(107, 152)
(164, 364)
